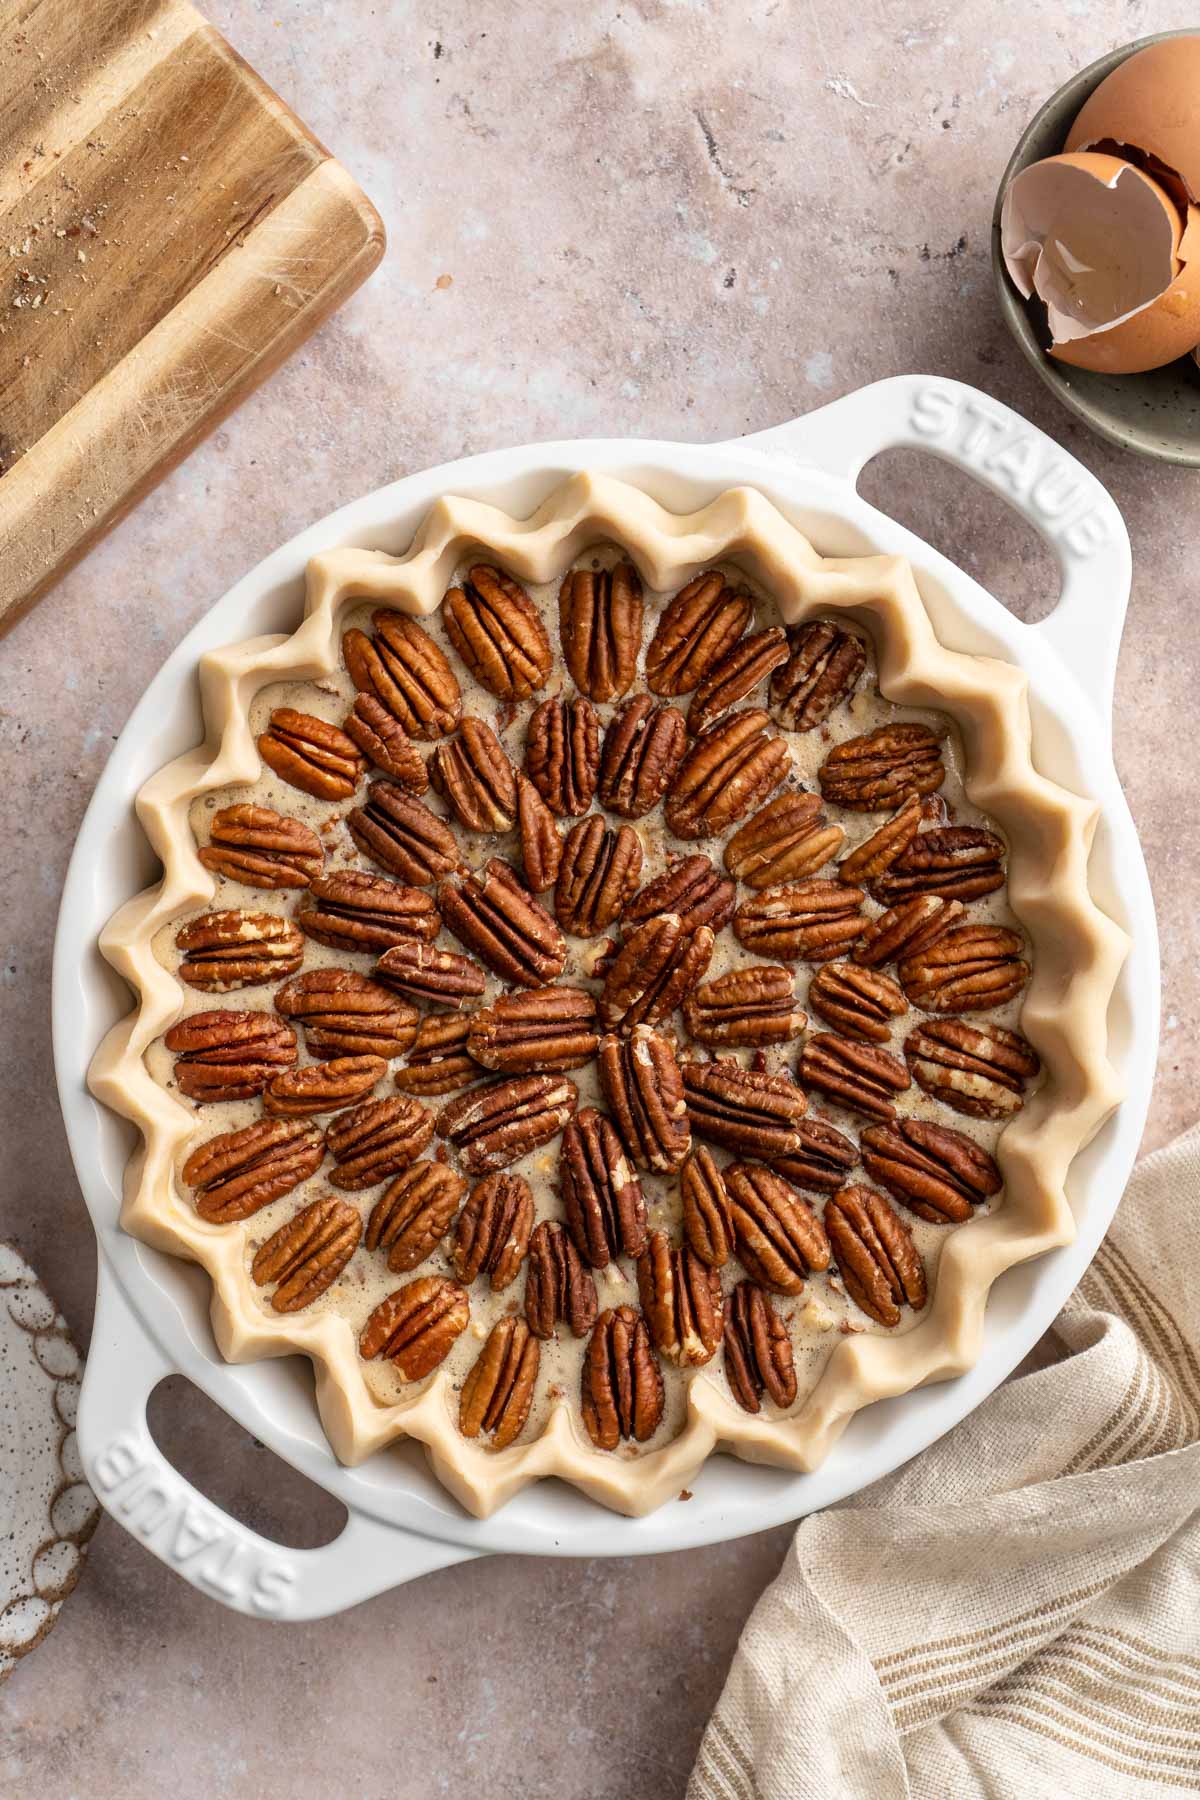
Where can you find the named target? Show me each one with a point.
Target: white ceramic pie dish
(152, 1311)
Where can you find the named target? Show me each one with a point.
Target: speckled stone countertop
(649, 217)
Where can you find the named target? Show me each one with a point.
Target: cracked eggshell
(1150, 104)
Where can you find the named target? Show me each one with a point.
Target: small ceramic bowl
(1156, 414)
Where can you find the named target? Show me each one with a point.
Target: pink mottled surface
(673, 219)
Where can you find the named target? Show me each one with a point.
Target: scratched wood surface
(169, 232)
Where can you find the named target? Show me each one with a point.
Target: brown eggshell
(1150, 102)
(1169, 327)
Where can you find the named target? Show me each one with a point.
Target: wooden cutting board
(169, 232)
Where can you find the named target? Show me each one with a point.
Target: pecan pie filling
(603, 990)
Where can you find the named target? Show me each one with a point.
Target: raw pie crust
(1077, 953)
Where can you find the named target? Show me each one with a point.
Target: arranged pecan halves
(861, 1002)
(823, 1160)
(874, 772)
(746, 1110)
(238, 1172)
(308, 1253)
(406, 673)
(493, 1126)
(541, 845)
(654, 971)
(980, 1070)
(736, 676)
(416, 1326)
(546, 1028)
(360, 912)
(968, 969)
(440, 1061)
(311, 754)
(681, 1300)
(808, 921)
(876, 1257)
(600, 624)
(643, 747)
(413, 1214)
(822, 670)
(597, 877)
(493, 914)
(905, 929)
(562, 754)
(386, 745)
(876, 854)
(322, 1087)
(758, 1350)
(557, 1285)
(432, 975)
(861, 1077)
(378, 1139)
(344, 1013)
(475, 779)
(957, 862)
(498, 1393)
(728, 770)
(779, 1237)
(704, 1198)
(744, 1008)
(621, 1393)
(601, 1195)
(493, 1230)
(402, 835)
(226, 950)
(262, 848)
(228, 1055)
(787, 839)
(693, 889)
(643, 1085)
(695, 630)
(496, 629)
(937, 1173)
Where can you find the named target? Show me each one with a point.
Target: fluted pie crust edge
(1078, 953)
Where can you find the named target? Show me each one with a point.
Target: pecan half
(225, 950)
(601, 1195)
(548, 1028)
(406, 673)
(597, 877)
(980, 1070)
(357, 911)
(322, 1087)
(310, 754)
(822, 670)
(694, 890)
(707, 1220)
(440, 1061)
(758, 1350)
(779, 1237)
(697, 628)
(937, 1173)
(643, 1085)
(728, 770)
(682, 1302)
(905, 929)
(876, 1257)
(810, 921)
(658, 966)
(958, 862)
(874, 772)
(262, 848)
(737, 674)
(541, 846)
(495, 627)
(475, 778)
(622, 1387)
(377, 1139)
(557, 1285)
(753, 1006)
(402, 835)
(227, 1055)
(785, 840)
(746, 1110)
(412, 1216)
(968, 969)
(415, 1327)
(823, 1160)
(386, 745)
(496, 917)
(643, 747)
(861, 1002)
(861, 1077)
(493, 1230)
(876, 854)
(562, 753)
(307, 1254)
(427, 973)
(239, 1172)
(498, 1393)
(346, 1014)
(600, 624)
(493, 1126)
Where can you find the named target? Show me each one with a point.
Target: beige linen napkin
(1017, 1613)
